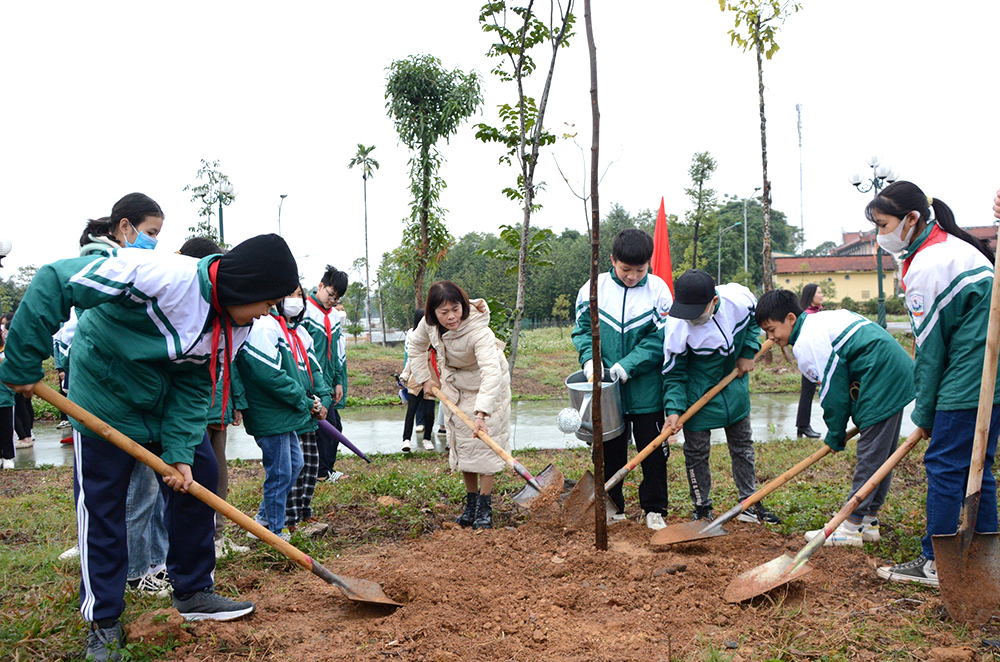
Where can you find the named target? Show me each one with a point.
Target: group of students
(668, 351)
(170, 349)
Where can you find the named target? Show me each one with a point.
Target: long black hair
(808, 294)
(900, 198)
(417, 316)
(134, 206)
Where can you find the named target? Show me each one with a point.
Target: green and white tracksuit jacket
(310, 373)
(632, 320)
(63, 339)
(323, 325)
(6, 395)
(277, 400)
(948, 284)
(696, 358)
(142, 349)
(861, 370)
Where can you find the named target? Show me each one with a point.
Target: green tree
(560, 311)
(368, 166)
(214, 188)
(784, 238)
(702, 197)
(756, 24)
(427, 102)
(822, 249)
(523, 131)
(354, 302)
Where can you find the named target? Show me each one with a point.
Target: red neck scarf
(221, 320)
(326, 325)
(297, 347)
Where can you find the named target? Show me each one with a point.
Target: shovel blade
(685, 532)
(550, 476)
(763, 578)
(578, 511)
(364, 590)
(968, 577)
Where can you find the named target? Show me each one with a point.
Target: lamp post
(746, 264)
(223, 193)
(722, 232)
(280, 202)
(881, 173)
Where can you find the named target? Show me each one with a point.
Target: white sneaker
(334, 476)
(617, 517)
(224, 546)
(71, 553)
(845, 535)
(7, 464)
(428, 445)
(63, 425)
(157, 584)
(419, 429)
(24, 443)
(869, 529)
(655, 521)
(406, 445)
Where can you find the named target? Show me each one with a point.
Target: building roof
(985, 232)
(831, 263)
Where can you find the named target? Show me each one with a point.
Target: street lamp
(722, 232)
(223, 193)
(281, 202)
(746, 264)
(881, 173)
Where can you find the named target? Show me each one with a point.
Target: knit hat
(259, 269)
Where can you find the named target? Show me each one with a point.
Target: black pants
(805, 403)
(327, 446)
(63, 391)
(653, 488)
(6, 432)
(24, 416)
(418, 408)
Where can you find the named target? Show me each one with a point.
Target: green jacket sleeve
(675, 384)
(45, 306)
(582, 339)
(239, 393)
(187, 399)
(931, 360)
(751, 339)
(835, 397)
(262, 373)
(647, 355)
(320, 385)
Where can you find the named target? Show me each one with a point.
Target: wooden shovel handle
(153, 461)
(692, 410)
(986, 390)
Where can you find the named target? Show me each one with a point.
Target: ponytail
(95, 229)
(900, 198)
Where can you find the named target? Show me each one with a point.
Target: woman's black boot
(484, 514)
(468, 516)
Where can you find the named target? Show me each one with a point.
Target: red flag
(661, 249)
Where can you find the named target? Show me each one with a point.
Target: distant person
(811, 301)
(7, 452)
(711, 332)
(416, 405)
(948, 280)
(865, 375)
(475, 376)
(634, 305)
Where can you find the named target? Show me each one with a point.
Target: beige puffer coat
(475, 376)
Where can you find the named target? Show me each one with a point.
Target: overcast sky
(101, 99)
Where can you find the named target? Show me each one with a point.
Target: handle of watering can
(692, 410)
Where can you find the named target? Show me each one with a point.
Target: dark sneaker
(703, 513)
(468, 515)
(918, 571)
(808, 432)
(484, 513)
(104, 644)
(757, 514)
(208, 605)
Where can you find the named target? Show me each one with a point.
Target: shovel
(968, 562)
(690, 531)
(358, 590)
(327, 430)
(784, 569)
(535, 486)
(578, 505)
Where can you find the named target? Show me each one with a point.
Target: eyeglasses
(332, 293)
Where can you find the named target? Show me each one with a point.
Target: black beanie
(259, 269)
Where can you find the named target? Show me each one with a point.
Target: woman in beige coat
(475, 376)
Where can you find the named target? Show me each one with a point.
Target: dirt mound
(541, 592)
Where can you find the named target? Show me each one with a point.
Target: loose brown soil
(540, 592)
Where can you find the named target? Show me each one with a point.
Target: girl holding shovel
(948, 280)
(475, 376)
(158, 327)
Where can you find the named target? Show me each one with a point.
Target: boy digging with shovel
(862, 373)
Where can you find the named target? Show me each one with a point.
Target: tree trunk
(368, 287)
(600, 513)
(425, 207)
(381, 313)
(766, 196)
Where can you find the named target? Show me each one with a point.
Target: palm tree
(368, 166)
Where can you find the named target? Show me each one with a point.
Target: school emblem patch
(663, 310)
(915, 303)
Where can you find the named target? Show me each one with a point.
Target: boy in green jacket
(862, 373)
(633, 307)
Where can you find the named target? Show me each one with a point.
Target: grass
(40, 621)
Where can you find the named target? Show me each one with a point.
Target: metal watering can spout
(577, 417)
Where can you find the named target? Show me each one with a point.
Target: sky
(105, 98)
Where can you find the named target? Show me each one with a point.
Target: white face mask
(292, 306)
(703, 318)
(894, 242)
